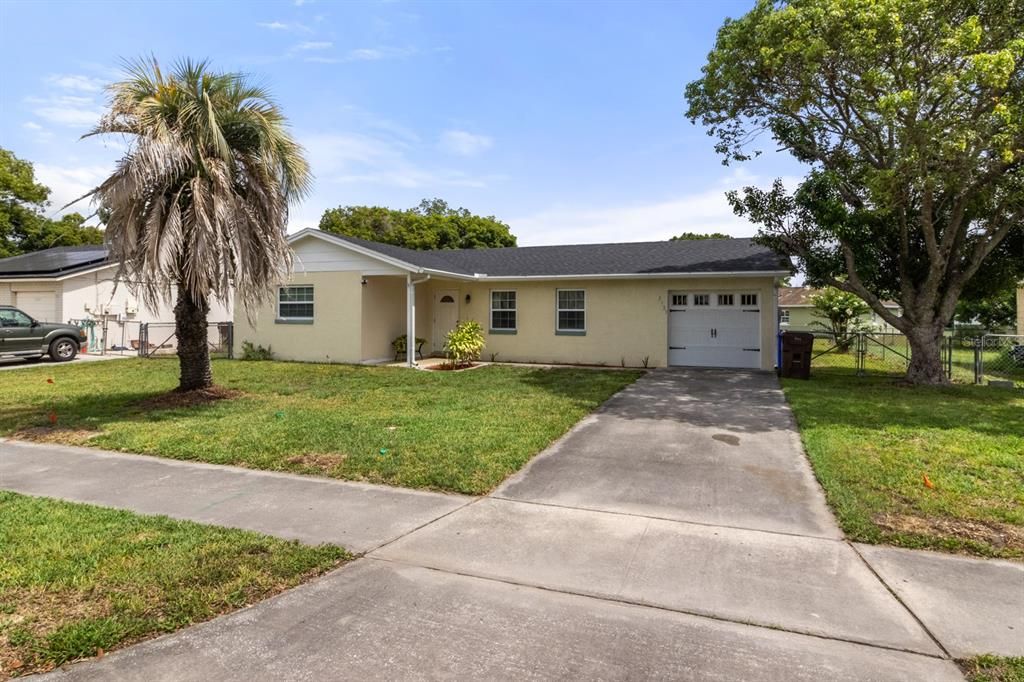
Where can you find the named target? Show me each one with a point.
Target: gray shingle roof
(631, 258)
(55, 262)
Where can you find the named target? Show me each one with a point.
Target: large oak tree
(911, 116)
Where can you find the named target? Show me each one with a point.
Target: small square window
(295, 303)
(702, 299)
(748, 299)
(678, 299)
(725, 299)
(784, 316)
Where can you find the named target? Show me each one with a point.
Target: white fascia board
(370, 253)
(652, 275)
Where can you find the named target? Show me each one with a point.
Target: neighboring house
(796, 312)
(76, 284)
(701, 303)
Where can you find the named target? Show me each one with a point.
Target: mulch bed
(446, 367)
(202, 396)
(1000, 535)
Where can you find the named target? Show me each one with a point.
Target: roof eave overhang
(56, 276)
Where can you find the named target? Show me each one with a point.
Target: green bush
(464, 343)
(253, 352)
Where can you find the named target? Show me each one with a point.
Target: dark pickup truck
(23, 337)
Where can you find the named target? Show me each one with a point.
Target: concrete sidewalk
(356, 516)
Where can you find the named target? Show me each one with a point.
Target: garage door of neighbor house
(714, 329)
(41, 305)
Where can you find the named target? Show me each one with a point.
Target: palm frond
(200, 200)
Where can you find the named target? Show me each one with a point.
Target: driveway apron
(706, 446)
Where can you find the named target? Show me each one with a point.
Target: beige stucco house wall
(360, 307)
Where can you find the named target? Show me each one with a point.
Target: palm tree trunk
(193, 350)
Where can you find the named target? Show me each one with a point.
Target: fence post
(979, 342)
(862, 351)
(231, 340)
(143, 333)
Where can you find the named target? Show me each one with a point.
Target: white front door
(446, 316)
(708, 329)
(39, 305)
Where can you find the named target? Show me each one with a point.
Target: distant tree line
(24, 226)
(431, 225)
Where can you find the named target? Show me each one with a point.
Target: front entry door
(446, 316)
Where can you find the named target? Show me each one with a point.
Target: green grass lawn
(872, 443)
(455, 431)
(993, 669)
(78, 580)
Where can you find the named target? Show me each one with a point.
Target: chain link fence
(158, 339)
(990, 359)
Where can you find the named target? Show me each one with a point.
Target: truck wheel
(63, 350)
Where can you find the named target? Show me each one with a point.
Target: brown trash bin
(796, 355)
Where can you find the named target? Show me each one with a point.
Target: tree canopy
(431, 225)
(911, 116)
(23, 225)
(700, 235)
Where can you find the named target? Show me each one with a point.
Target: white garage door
(712, 329)
(41, 305)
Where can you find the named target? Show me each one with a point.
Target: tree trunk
(925, 356)
(193, 350)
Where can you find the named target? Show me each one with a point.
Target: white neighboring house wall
(92, 295)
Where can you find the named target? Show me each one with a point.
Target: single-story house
(76, 284)
(796, 312)
(691, 303)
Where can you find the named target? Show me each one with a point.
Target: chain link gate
(989, 359)
(159, 339)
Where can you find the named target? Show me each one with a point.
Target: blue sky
(565, 120)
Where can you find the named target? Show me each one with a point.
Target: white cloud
(37, 131)
(312, 45)
(464, 143)
(371, 54)
(76, 82)
(68, 183)
(354, 158)
(706, 210)
(285, 26)
(67, 110)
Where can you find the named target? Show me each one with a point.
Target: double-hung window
(295, 303)
(571, 311)
(503, 311)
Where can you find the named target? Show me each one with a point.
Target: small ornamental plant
(464, 344)
(839, 313)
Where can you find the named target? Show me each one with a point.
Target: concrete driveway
(707, 446)
(675, 534)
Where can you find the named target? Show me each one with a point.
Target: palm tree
(199, 203)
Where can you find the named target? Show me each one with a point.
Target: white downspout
(410, 318)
